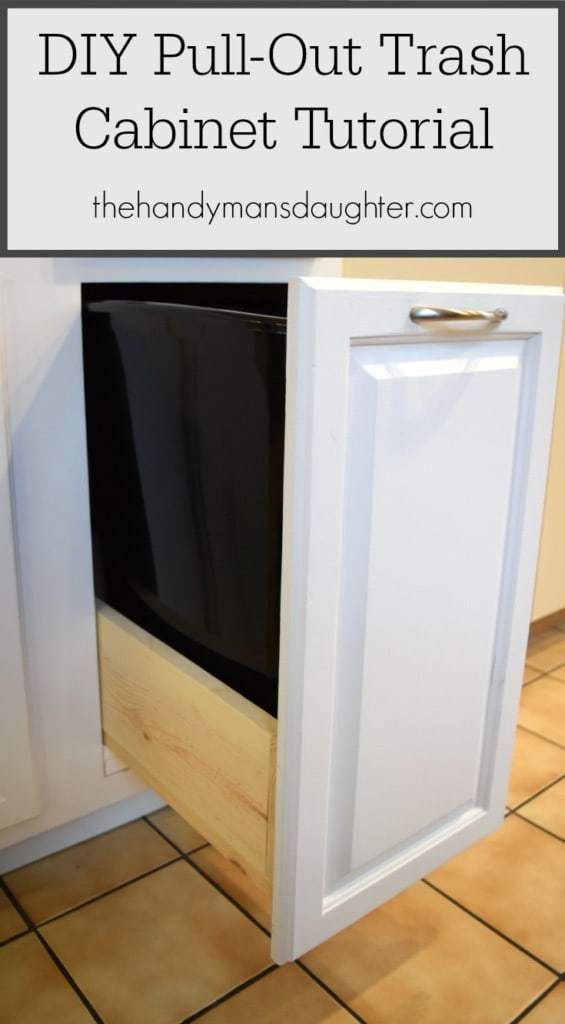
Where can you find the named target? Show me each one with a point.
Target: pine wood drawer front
(205, 749)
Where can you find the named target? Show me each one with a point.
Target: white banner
(282, 130)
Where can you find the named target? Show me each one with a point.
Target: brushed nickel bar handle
(438, 314)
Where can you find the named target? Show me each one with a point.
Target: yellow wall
(550, 585)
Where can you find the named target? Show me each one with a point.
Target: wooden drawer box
(207, 750)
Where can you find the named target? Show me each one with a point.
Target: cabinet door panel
(414, 486)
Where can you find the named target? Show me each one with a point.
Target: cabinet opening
(184, 390)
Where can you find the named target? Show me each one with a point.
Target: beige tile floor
(149, 925)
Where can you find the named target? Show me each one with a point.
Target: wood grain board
(204, 748)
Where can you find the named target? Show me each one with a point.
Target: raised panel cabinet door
(415, 466)
(18, 792)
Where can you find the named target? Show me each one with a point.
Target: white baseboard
(77, 831)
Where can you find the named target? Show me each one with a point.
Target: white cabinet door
(18, 795)
(416, 457)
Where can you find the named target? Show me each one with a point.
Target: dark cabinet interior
(185, 388)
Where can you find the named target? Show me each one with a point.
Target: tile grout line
(101, 895)
(249, 916)
(69, 978)
(229, 995)
(163, 835)
(226, 895)
(12, 938)
(197, 849)
(232, 992)
(254, 921)
(353, 1013)
(231, 899)
(535, 795)
(554, 743)
(539, 999)
(31, 927)
(17, 906)
(543, 672)
(223, 892)
(82, 842)
(492, 928)
(550, 672)
(541, 828)
(33, 930)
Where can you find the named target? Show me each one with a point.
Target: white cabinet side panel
(18, 788)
